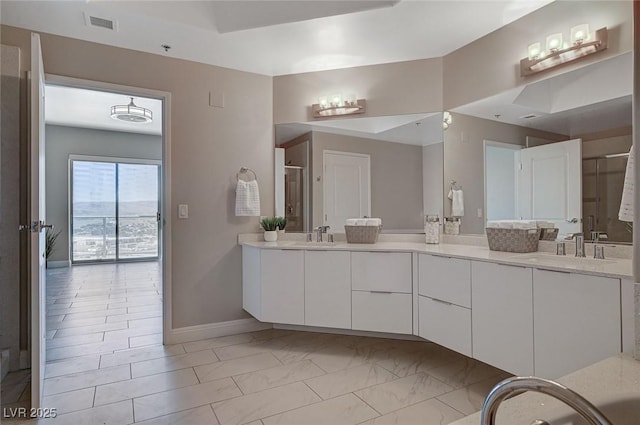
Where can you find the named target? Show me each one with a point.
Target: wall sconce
(558, 53)
(338, 105)
(446, 120)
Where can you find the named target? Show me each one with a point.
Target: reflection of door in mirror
(549, 185)
(347, 188)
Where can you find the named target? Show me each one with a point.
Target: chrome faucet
(319, 231)
(517, 385)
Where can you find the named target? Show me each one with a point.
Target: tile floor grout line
(365, 402)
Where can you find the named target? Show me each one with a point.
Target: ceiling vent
(529, 116)
(96, 21)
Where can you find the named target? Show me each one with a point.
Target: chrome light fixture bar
(557, 55)
(131, 113)
(336, 105)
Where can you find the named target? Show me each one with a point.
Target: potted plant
(270, 227)
(282, 223)
(50, 242)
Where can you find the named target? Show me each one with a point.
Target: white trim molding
(214, 330)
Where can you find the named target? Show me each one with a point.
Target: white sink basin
(565, 260)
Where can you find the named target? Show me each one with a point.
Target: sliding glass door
(114, 210)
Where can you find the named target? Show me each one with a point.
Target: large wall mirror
(389, 167)
(553, 150)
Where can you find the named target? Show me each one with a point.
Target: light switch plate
(183, 211)
(479, 212)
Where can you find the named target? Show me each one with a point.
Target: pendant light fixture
(131, 113)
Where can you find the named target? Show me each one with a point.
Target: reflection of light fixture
(582, 44)
(336, 104)
(446, 120)
(131, 113)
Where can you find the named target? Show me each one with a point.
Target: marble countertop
(615, 378)
(611, 267)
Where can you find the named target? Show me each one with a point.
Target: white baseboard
(57, 264)
(213, 330)
(348, 332)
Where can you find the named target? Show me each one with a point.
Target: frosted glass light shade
(579, 34)
(554, 42)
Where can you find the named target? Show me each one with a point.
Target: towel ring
(454, 185)
(246, 171)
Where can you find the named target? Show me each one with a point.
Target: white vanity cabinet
(382, 292)
(273, 284)
(502, 316)
(327, 284)
(577, 321)
(444, 304)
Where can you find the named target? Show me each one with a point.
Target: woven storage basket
(548, 234)
(362, 234)
(513, 240)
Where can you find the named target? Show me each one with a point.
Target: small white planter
(271, 236)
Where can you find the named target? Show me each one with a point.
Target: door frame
(324, 172)
(165, 180)
(111, 160)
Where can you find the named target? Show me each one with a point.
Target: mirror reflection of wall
(404, 155)
(592, 103)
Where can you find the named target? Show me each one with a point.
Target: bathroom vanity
(529, 314)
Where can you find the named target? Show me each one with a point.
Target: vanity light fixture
(338, 105)
(131, 113)
(583, 44)
(446, 120)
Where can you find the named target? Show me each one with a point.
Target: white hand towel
(374, 222)
(628, 190)
(247, 199)
(457, 203)
(351, 221)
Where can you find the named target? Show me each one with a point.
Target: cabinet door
(502, 316)
(282, 286)
(445, 324)
(576, 321)
(382, 312)
(381, 271)
(327, 296)
(446, 279)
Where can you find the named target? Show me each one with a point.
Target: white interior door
(550, 184)
(37, 215)
(347, 188)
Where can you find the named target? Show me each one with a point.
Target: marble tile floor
(271, 377)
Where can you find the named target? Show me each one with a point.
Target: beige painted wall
(209, 145)
(464, 160)
(60, 142)
(10, 288)
(396, 178)
(390, 89)
(491, 64)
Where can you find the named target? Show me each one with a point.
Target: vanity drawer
(382, 312)
(446, 279)
(446, 324)
(381, 271)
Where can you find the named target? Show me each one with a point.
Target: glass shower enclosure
(295, 198)
(602, 184)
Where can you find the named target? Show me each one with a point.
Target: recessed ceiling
(593, 98)
(74, 107)
(289, 38)
(413, 129)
